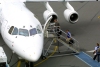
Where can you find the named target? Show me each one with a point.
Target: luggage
(71, 41)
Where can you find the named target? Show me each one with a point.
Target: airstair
(49, 33)
(52, 35)
(72, 48)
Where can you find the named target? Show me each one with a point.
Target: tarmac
(86, 31)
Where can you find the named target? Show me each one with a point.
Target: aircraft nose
(35, 49)
(33, 54)
(30, 48)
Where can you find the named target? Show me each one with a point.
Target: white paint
(14, 13)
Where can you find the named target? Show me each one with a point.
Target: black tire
(43, 57)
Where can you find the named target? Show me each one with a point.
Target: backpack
(98, 50)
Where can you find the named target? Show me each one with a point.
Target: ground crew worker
(96, 52)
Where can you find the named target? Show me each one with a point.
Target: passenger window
(15, 31)
(39, 29)
(11, 29)
(33, 31)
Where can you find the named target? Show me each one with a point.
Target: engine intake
(48, 13)
(71, 16)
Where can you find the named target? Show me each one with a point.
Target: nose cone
(30, 48)
(33, 54)
(35, 49)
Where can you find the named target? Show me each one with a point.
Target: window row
(24, 32)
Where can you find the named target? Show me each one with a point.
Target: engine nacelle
(48, 13)
(71, 16)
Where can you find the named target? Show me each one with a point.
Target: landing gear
(29, 64)
(26, 64)
(43, 57)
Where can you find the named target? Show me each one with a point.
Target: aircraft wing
(58, 0)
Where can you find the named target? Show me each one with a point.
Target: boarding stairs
(70, 47)
(74, 47)
(50, 33)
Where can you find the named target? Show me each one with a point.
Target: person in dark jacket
(57, 28)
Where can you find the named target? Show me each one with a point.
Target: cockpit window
(33, 31)
(23, 32)
(39, 29)
(15, 31)
(11, 29)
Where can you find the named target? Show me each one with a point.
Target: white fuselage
(21, 30)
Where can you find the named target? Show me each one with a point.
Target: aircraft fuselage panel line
(87, 59)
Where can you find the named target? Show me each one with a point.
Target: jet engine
(70, 14)
(49, 12)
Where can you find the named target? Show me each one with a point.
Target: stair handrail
(65, 34)
(55, 33)
(76, 42)
(71, 36)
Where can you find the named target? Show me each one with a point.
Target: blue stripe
(87, 59)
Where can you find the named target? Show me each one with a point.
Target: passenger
(96, 52)
(57, 28)
(56, 23)
(69, 38)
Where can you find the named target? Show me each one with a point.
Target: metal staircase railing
(51, 33)
(70, 47)
(75, 45)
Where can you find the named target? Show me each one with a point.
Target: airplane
(22, 31)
